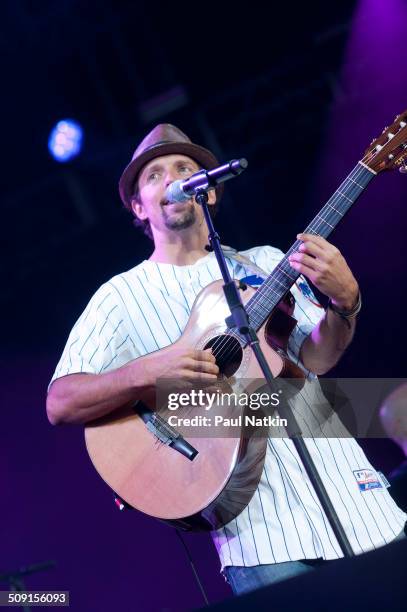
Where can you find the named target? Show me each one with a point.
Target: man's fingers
(311, 248)
(318, 241)
(313, 238)
(318, 247)
(205, 355)
(310, 273)
(204, 366)
(196, 376)
(307, 260)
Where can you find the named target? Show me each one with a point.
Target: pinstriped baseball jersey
(145, 309)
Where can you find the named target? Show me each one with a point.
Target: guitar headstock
(389, 150)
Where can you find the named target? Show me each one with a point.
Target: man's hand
(326, 268)
(178, 363)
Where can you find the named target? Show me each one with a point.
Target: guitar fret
(281, 269)
(285, 286)
(333, 208)
(265, 302)
(325, 221)
(265, 298)
(284, 272)
(262, 303)
(361, 186)
(345, 196)
(279, 282)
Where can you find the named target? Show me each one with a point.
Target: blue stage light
(65, 140)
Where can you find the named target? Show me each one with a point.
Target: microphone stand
(240, 320)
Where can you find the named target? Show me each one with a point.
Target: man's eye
(153, 176)
(185, 169)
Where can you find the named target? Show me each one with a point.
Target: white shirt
(147, 308)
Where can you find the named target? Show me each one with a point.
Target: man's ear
(138, 210)
(212, 196)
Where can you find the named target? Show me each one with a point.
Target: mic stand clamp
(239, 319)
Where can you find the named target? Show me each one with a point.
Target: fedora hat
(164, 139)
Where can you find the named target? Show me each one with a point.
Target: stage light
(65, 140)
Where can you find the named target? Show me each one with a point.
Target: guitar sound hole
(228, 353)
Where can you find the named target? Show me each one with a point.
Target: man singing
(111, 358)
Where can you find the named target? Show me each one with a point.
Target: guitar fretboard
(274, 288)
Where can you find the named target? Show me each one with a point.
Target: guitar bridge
(164, 433)
(161, 429)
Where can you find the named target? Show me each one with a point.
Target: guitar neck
(274, 288)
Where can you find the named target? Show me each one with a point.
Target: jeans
(245, 579)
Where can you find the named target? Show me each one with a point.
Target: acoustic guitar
(202, 483)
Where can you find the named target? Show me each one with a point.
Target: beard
(181, 219)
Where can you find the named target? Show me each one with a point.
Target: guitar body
(209, 491)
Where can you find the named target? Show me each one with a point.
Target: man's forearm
(78, 398)
(327, 342)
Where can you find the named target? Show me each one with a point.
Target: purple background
(54, 506)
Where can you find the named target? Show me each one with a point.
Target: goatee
(180, 221)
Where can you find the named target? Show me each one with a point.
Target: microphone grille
(175, 192)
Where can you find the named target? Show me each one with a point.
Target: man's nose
(170, 177)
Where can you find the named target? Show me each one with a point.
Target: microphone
(180, 191)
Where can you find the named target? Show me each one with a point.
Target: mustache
(165, 202)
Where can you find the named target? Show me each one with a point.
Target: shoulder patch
(253, 280)
(307, 292)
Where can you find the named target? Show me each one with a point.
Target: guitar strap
(231, 253)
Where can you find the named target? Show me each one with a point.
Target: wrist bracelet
(347, 314)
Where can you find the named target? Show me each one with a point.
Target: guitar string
(230, 337)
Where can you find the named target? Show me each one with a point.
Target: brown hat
(164, 139)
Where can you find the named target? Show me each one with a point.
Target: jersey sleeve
(98, 341)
